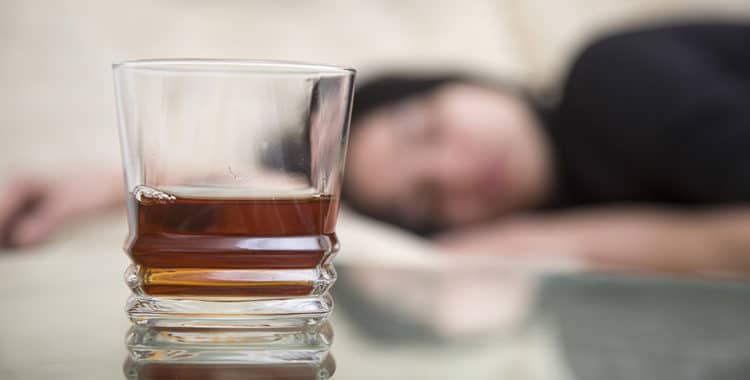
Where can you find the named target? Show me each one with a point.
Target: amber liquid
(231, 247)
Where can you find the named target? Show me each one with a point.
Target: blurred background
(57, 80)
(57, 116)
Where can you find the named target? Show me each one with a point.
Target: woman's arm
(623, 239)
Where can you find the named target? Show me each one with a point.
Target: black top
(659, 115)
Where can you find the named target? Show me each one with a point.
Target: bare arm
(713, 242)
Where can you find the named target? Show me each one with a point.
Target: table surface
(62, 317)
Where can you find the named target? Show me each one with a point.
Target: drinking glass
(233, 171)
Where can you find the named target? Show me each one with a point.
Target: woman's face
(459, 155)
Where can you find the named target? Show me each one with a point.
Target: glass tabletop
(63, 318)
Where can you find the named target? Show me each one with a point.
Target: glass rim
(244, 66)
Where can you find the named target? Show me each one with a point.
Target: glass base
(237, 313)
(248, 346)
(268, 313)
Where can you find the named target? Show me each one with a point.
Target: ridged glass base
(243, 311)
(240, 313)
(247, 346)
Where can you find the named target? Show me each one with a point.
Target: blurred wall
(56, 98)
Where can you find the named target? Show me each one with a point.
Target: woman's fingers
(19, 197)
(36, 226)
(14, 195)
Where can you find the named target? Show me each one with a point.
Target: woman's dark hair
(391, 89)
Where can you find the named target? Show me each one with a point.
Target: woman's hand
(33, 207)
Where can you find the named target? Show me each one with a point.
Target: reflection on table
(184, 353)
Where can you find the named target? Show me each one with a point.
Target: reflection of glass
(233, 170)
(157, 353)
